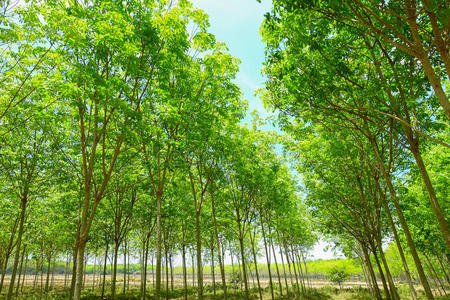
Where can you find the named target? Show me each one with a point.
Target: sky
(237, 23)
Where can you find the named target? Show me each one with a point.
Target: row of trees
(119, 133)
(362, 92)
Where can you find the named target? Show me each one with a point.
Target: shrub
(338, 276)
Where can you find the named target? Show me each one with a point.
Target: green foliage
(338, 276)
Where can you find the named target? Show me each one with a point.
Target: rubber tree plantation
(132, 168)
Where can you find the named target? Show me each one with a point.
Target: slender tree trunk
(85, 269)
(24, 274)
(402, 220)
(66, 271)
(371, 273)
(383, 278)
(397, 243)
(193, 267)
(199, 256)
(166, 269)
(158, 247)
(184, 267)
(284, 269)
(444, 271)
(244, 270)
(306, 271)
(286, 253)
(171, 272)
(145, 243)
(47, 281)
(74, 270)
(124, 267)
(392, 287)
(276, 264)
(23, 207)
(300, 270)
(104, 269)
(114, 274)
(212, 270)
(267, 255)
(433, 270)
(220, 253)
(20, 269)
(366, 275)
(253, 240)
(128, 271)
(294, 267)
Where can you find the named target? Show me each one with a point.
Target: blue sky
(237, 23)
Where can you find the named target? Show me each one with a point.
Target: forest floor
(321, 290)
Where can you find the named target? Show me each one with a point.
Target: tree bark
(253, 240)
(104, 269)
(47, 281)
(219, 252)
(199, 256)
(402, 220)
(20, 269)
(158, 247)
(397, 243)
(184, 267)
(114, 274)
(276, 264)
(267, 254)
(23, 207)
(371, 273)
(212, 270)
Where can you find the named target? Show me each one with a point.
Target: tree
(338, 276)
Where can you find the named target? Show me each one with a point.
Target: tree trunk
(171, 271)
(300, 270)
(79, 269)
(397, 243)
(383, 278)
(276, 264)
(199, 256)
(124, 267)
(286, 253)
(392, 287)
(294, 267)
(212, 270)
(402, 220)
(166, 261)
(184, 267)
(104, 269)
(220, 253)
(433, 270)
(306, 271)
(284, 269)
(158, 247)
(114, 274)
(371, 273)
(47, 281)
(23, 206)
(267, 255)
(24, 274)
(74, 269)
(253, 240)
(20, 269)
(193, 267)
(244, 270)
